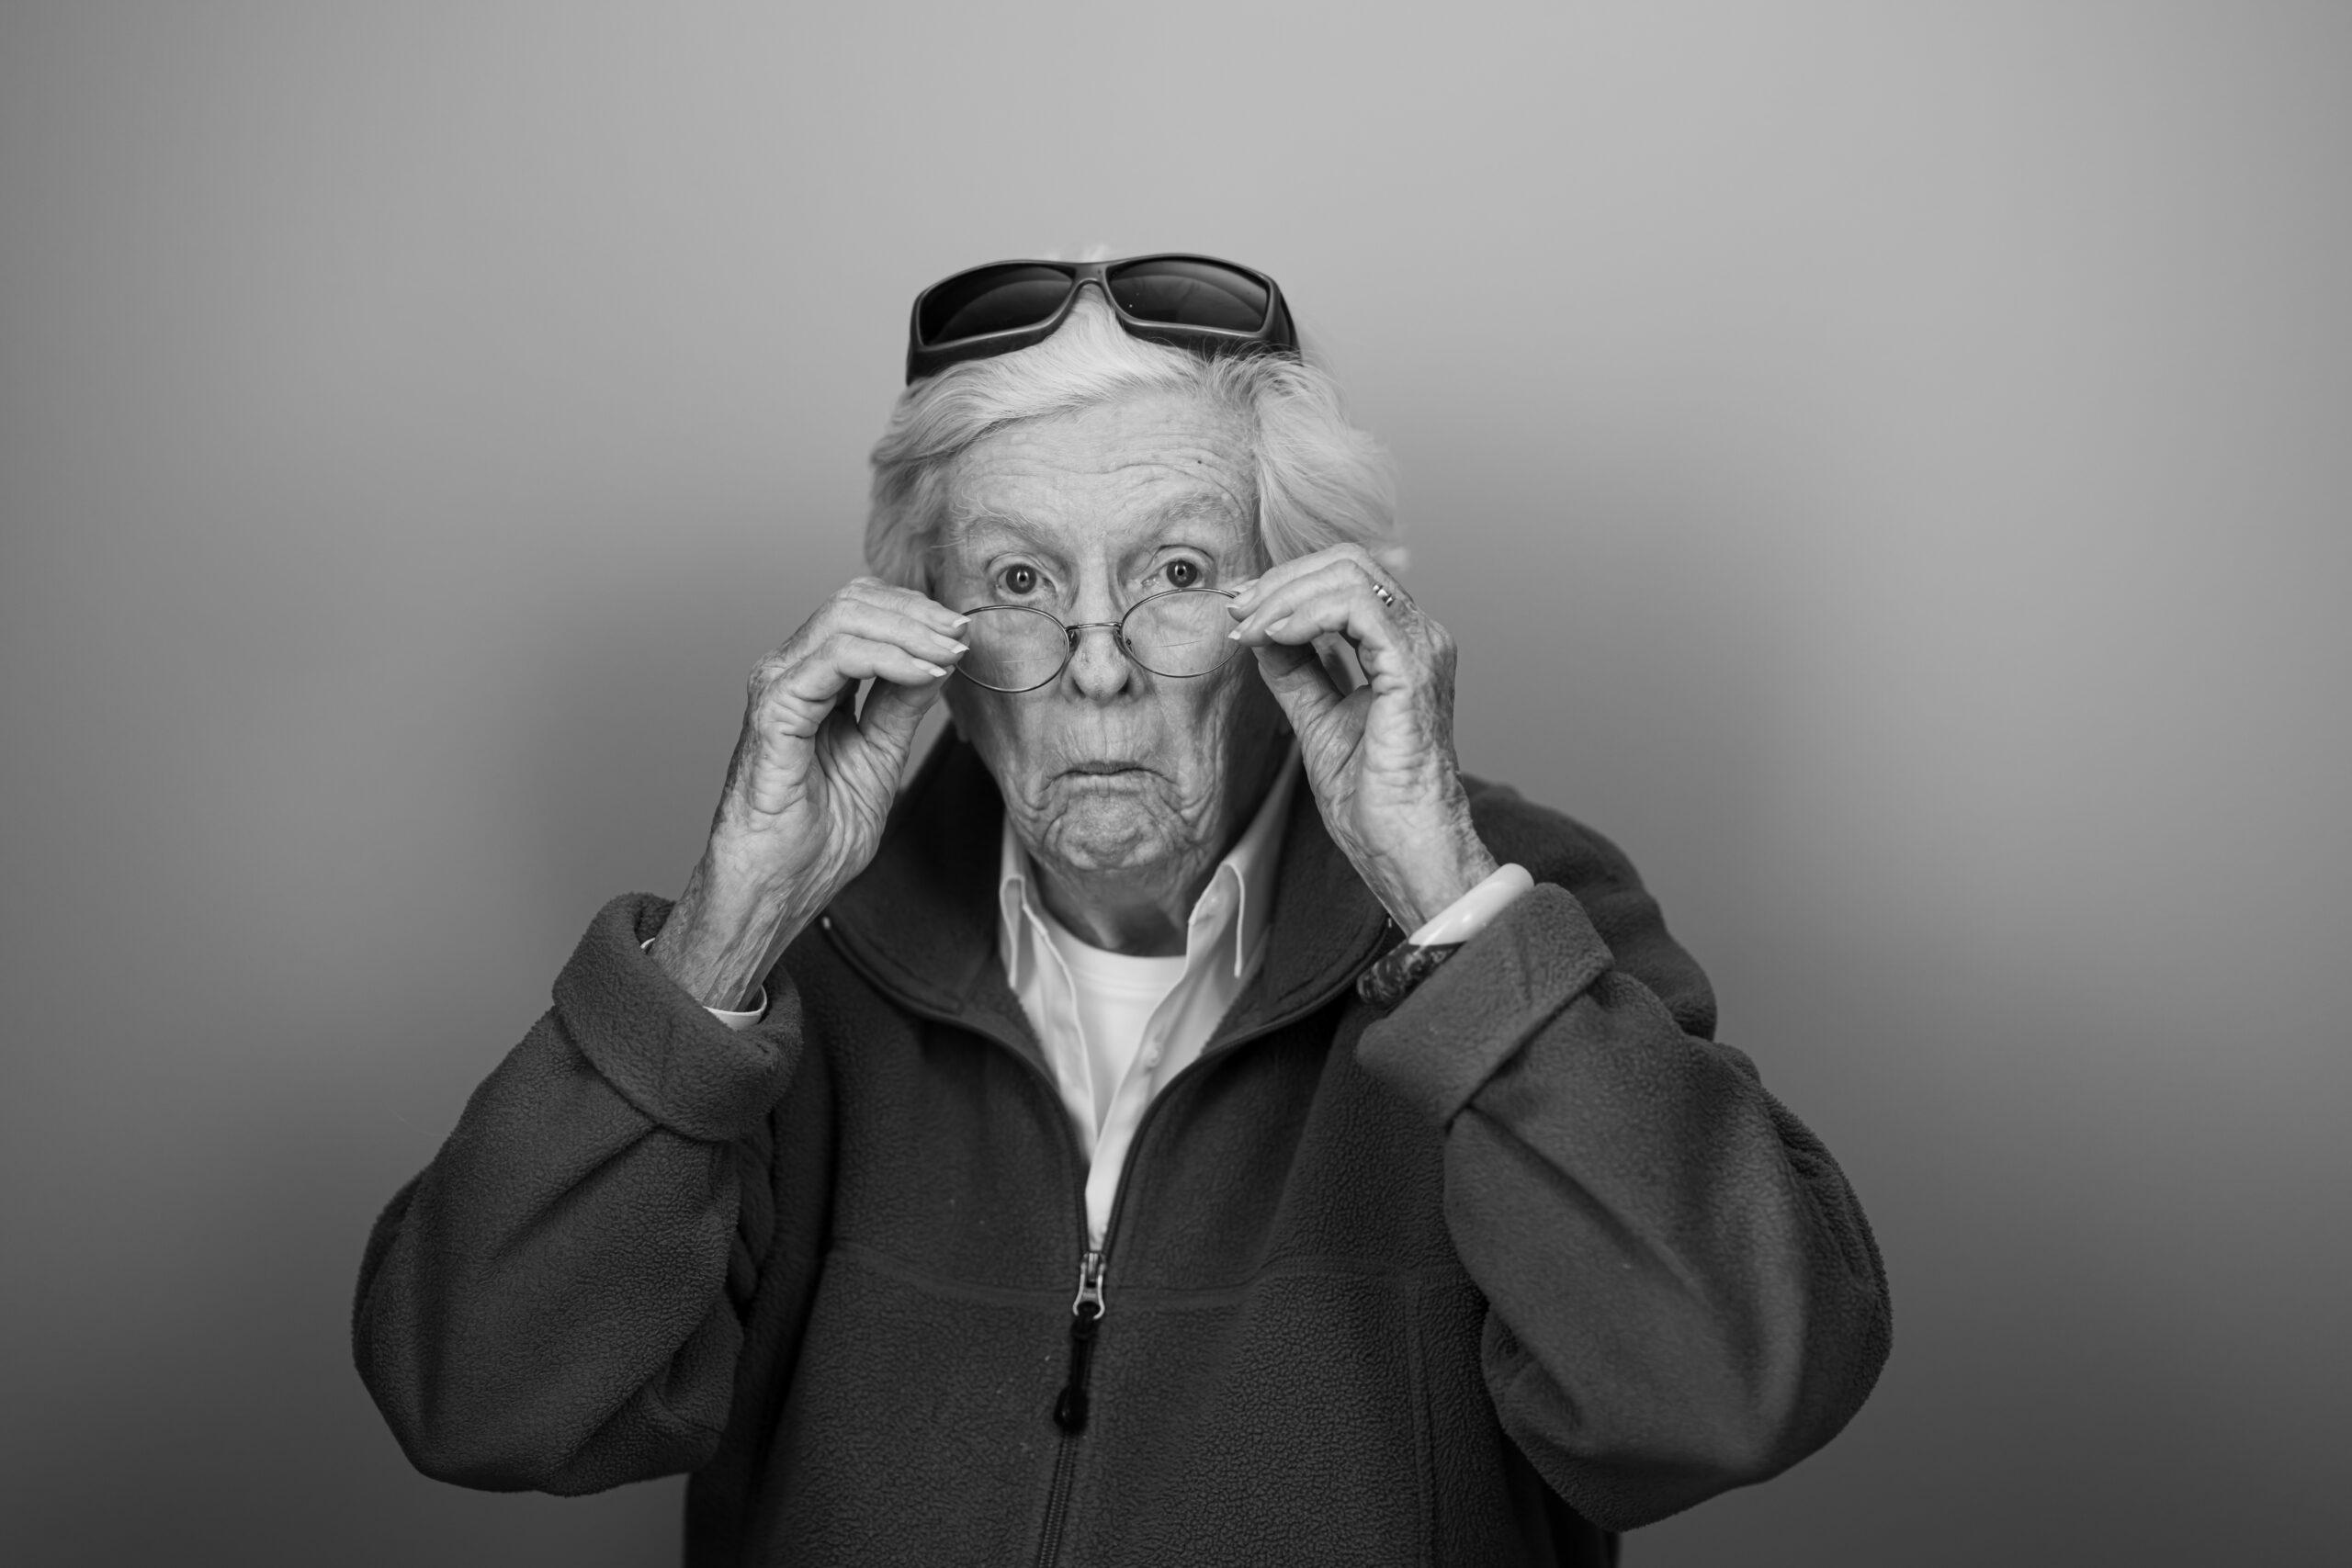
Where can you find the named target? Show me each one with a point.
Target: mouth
(1104, 770)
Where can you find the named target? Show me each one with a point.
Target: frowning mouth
(1104, 770)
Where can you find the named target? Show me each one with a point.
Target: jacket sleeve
(554, 1301)
(1682, 1293)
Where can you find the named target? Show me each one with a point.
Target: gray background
(1887, 465)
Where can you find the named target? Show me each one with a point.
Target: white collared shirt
(1115, 1028)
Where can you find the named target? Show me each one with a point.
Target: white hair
(1321, 481)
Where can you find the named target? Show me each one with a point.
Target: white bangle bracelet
(1468, 915)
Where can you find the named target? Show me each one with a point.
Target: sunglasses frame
(1275, 333)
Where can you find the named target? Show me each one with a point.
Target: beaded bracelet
(1411, 961)
(1400, 969)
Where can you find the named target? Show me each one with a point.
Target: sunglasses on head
(1197, 302)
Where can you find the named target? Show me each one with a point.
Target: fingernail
(962, 621)
(937, 671)
(1233, 635)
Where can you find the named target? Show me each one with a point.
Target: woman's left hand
(1380, 758)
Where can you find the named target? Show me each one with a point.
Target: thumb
(1299, 682)
(892, 714)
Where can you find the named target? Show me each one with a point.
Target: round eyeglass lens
(992, 300)
(1012, 649)
(1183, 292)
(1181, 633)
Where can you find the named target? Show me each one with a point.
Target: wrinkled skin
(1124, 788)
(1081, 516)
(1379, 756)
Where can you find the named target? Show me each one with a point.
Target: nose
(1099, 668)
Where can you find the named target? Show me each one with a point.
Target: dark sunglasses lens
(991, 300)
(1179, 291)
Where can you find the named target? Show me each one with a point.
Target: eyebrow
(964, 524)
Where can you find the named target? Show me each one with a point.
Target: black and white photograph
(1278, 783)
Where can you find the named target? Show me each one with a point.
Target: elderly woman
(1062, 1157)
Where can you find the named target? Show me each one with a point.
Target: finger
(1338, 599)
(1344, 575)
(1250, 595)
(803, 693)
(905, 600)
(885, 623)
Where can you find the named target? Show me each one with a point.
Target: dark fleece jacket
(1529, 1261)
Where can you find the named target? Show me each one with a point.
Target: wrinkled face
(1110, 768)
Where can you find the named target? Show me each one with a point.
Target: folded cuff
(661, 1048)
(1465, 1021)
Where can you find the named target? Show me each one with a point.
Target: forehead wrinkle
(1214, 504)
(1110, 472)
(967, 522)
(964, 520)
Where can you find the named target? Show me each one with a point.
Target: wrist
(1438, 868)
(754, 873)
(1475, 911)
(1429, 945)
(720, 942)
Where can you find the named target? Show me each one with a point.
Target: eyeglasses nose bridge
(1118, 630)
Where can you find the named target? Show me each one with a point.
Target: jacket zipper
(1085, 1314)
(1072, 1405)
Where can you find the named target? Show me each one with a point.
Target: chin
(1097, 830)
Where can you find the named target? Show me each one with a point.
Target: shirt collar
(1239, 895)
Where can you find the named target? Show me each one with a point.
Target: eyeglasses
(1192, 301)
(1180, 634)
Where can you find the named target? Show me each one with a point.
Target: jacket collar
(921, 919)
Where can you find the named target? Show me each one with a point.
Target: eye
(1183, 574)
(1018, 579)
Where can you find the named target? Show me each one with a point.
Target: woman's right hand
(810, 782)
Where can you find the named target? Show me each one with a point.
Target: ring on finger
(1387, 599)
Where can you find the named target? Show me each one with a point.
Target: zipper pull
(1085, 1314)
(1090, 1283)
